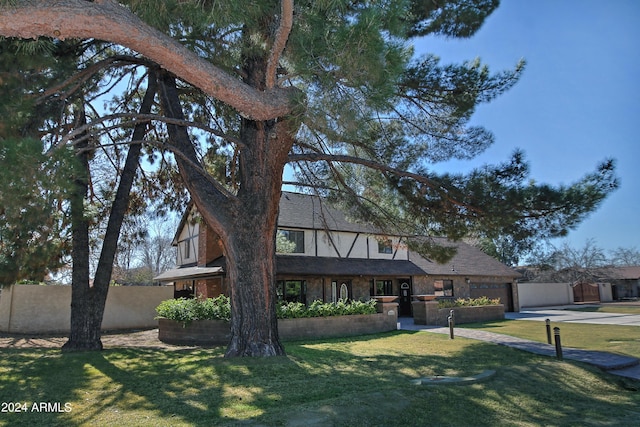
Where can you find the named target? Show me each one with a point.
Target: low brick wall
(200, 332)
(336, 326)
(428, 313)
(217, 332)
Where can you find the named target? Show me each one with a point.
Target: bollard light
(548, 322)
(451, 321)
(556, 336)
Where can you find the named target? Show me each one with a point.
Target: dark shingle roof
(468, 261)
(311, 212)
(618, 273)
(288, 264)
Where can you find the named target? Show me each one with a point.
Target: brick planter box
(336, 326)
(199, 332)
(428, 313)
(217, 332)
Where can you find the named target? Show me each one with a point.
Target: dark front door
(404, 302)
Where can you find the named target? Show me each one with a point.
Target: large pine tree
(333, 89)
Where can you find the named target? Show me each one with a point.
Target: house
(599, 284)
(620, 283)
(327, 257)
(625, 281)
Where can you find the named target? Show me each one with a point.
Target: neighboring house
(625, 281)
(601, 284)
(329, 257)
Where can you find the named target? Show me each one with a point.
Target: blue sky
(577, 103)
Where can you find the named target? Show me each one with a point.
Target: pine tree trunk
(246, 222)
(251, 270)
(85, 323)
(88, 302)
(250, 250)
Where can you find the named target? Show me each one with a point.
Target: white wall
(340, 244)
(544, 294)
(606, 293)
(188, 236)
(47, 309)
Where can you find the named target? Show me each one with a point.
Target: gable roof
(618, 273)
(468, 261)
(311, 212)
(183, 222)
(299, 210)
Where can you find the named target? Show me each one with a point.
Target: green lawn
(612, 338)
(342, 382)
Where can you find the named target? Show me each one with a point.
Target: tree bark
(88, 302)
(83, 334)
(246, 222)
(250, 250)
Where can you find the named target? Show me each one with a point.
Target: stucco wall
(544, 294)
(348, 245)
(47, 309)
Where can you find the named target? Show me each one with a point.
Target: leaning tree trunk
(88, 302)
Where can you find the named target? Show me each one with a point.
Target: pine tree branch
(75, 134)
(427, 182)
(107, 20)
(76, 81)
(282, 35)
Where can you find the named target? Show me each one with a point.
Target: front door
(341, 289)
(404, 303)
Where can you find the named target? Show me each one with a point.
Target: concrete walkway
(616, 364)
(557, 314)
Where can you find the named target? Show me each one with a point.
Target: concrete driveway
(562, 315)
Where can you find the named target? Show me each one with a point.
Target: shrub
(318, 308)
(187, 310)
(468, 302)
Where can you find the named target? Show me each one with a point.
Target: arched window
(344, 291)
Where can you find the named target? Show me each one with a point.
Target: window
(290, 242)
(443, 288)
(385, 246)
(187, 249)
(344, 292)
(381, 287)
(292, 290)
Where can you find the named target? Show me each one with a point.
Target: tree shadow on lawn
(527, 388)
(351, 381)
